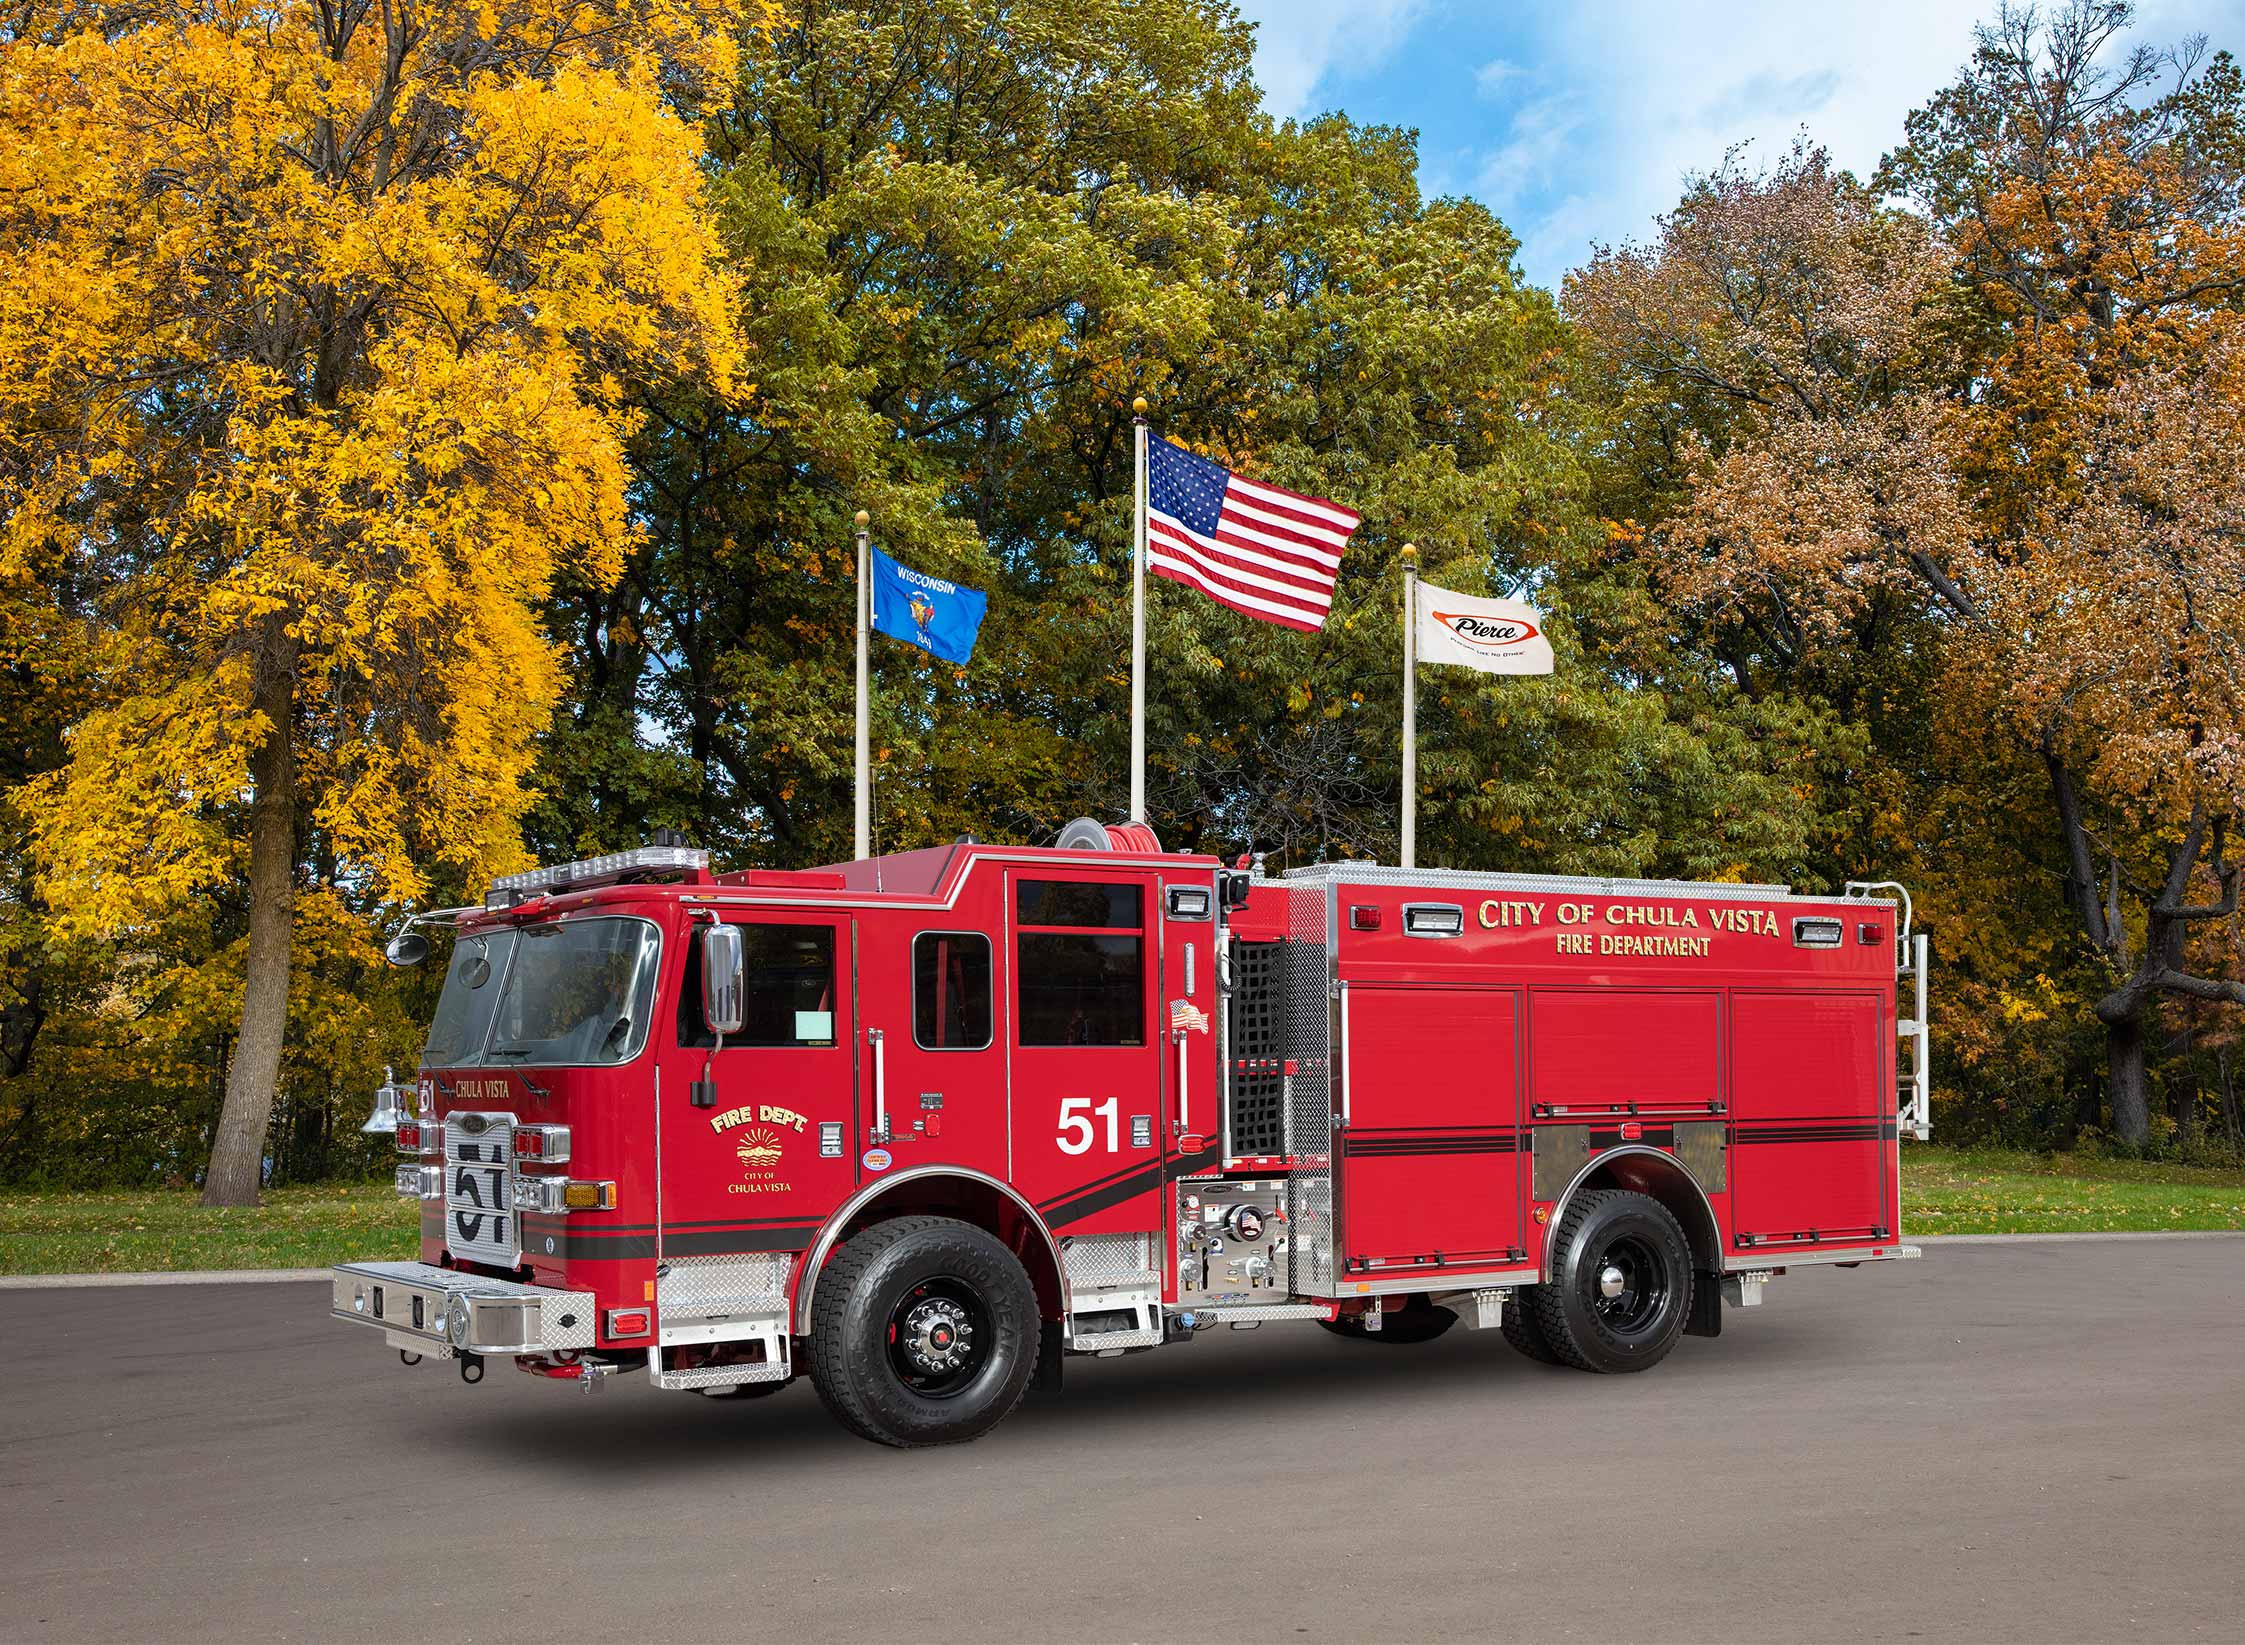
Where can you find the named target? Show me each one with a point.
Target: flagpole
(864, 768)
(1410, 706)
(1138, 618)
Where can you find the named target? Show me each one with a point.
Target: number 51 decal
(1075, 1123)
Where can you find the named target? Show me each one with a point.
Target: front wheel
(1621, 1288)
(923, 1332)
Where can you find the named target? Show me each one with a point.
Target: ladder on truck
(1912, 957)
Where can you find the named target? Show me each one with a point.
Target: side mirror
(407, 948)
(1236, 888)
(722, 982)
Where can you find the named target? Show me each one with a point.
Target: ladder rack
(1912, 960)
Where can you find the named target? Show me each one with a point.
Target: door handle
(877, 1039)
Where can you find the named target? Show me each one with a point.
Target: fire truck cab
(922, 1125)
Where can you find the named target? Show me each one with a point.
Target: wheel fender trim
(814, 1259)
(1590, 1168)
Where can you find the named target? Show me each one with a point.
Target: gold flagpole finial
(1138, 406)
(863, 519)
(1410, 551)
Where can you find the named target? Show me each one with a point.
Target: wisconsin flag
(1495, 636)
(939, 617)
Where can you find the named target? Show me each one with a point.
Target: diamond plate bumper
(424, 1309)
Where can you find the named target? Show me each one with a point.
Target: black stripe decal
(1089, 1187)
(1356, 1148)
(1099, 1199)
(1432, 1130)
(715, 1242)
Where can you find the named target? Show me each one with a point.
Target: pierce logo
(1487, 633)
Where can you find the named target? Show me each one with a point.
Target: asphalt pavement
(2035, 1442)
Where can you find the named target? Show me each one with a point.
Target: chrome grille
(479, 1218)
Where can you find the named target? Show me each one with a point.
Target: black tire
(1418, 1321)
(1525, 1332)
(923, 1332)
(1627, 1241)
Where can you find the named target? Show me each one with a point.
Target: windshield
(578, 992)
(471, 994)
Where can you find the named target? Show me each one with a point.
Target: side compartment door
(1813, 1131)
(1431, 1146)
(1084, 1048)
(756, 1162)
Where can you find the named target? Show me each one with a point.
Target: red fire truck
(924, 1125)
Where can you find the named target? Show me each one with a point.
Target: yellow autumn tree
(315, 359)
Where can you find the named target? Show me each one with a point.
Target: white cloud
(1672, 85)
(1299, 43)
(1538, 143)
(1493, 76)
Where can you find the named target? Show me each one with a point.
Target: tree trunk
(2124, 1069)
(238, 1150)
(2229, 1097)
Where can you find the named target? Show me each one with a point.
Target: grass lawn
(1988, 1191)
(1944, 1191)
(129, 1233)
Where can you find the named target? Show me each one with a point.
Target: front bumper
(423, 1309)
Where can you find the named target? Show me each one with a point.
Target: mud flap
(1049, 1358)
(1707, 1305)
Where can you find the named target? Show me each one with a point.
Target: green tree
(982, 230)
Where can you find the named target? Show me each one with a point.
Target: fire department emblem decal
(758, 1149)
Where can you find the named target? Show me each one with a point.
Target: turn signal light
(589, 1196)
(630, 1322)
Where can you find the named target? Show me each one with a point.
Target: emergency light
(602, 870)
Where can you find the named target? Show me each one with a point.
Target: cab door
(1085, 1048)
(933, 1089)
(758, 1135)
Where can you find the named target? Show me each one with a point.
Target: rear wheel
(1621, 1288)
(1418, 1320)
(1522, 1329)
(923, 1332)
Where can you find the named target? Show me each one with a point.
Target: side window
(1080, 962)
(788, 997)
(951, 990)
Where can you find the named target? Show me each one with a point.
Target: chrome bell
(389, 1105)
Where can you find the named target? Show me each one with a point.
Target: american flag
(1270, 553)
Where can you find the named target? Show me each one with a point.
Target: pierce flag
(1474, 631)
(937, 616)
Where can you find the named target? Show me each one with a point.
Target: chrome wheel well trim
(1626, 1150)
(814, 1259)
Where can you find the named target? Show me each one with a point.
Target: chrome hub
(937, 1336)
(1611, 1281)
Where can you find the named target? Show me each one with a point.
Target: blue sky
(1576, 122)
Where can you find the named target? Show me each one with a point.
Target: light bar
(604, 870)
